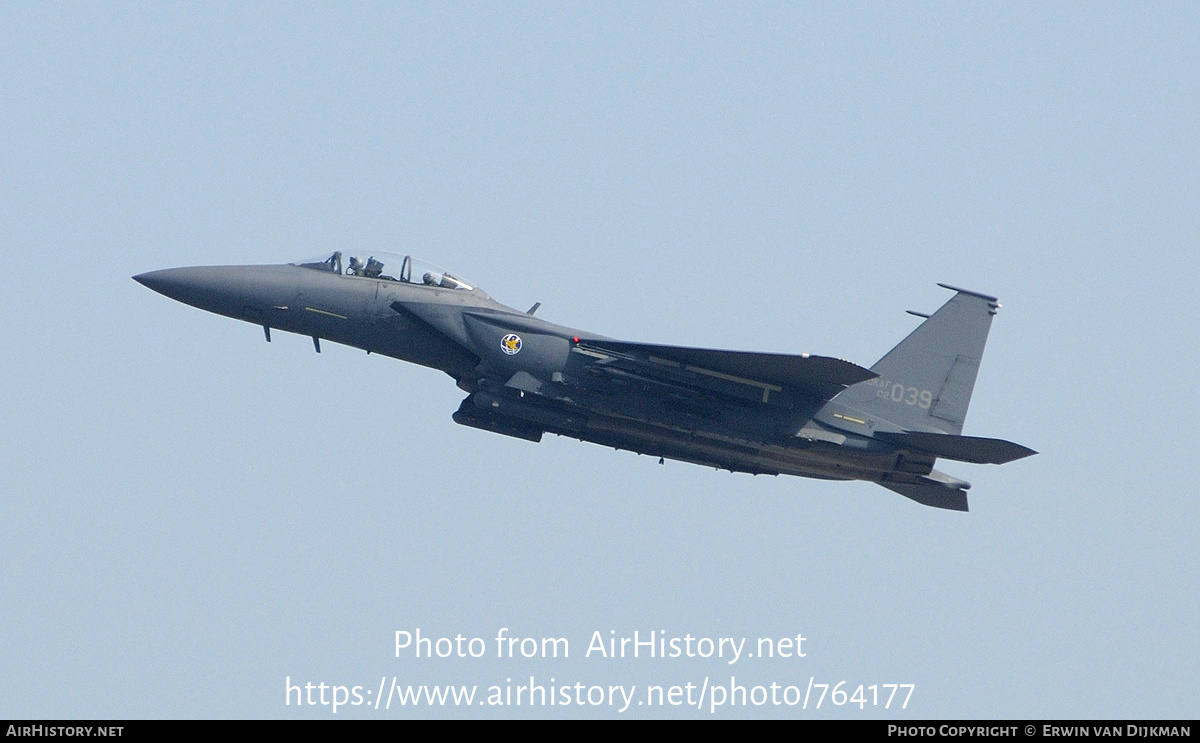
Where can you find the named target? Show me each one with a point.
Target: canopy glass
(388, 267)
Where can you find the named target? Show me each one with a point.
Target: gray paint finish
(804, 415)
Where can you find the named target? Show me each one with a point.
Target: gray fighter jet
(763, 413)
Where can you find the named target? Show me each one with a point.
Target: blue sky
(189, 516)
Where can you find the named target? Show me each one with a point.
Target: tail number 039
(897, 392)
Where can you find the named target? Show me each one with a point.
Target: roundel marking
(510, 344)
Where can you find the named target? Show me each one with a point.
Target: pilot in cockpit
(372, 270)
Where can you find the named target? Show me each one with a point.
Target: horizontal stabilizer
(962, 448)
(818, 376)
(932, 494)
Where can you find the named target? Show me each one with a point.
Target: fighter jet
(762, 413)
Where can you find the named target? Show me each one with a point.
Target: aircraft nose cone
(207, 287)
(154, 280)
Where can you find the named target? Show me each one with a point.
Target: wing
(741, 374)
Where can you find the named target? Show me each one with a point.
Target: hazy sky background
(189, 515)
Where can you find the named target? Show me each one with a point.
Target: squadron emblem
(510, 344)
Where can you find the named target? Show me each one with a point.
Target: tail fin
(925, 382)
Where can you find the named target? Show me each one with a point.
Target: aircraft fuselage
(740, 411)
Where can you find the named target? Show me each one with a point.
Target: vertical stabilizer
(925, 382)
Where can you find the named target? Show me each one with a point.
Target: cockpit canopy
(388, 267)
